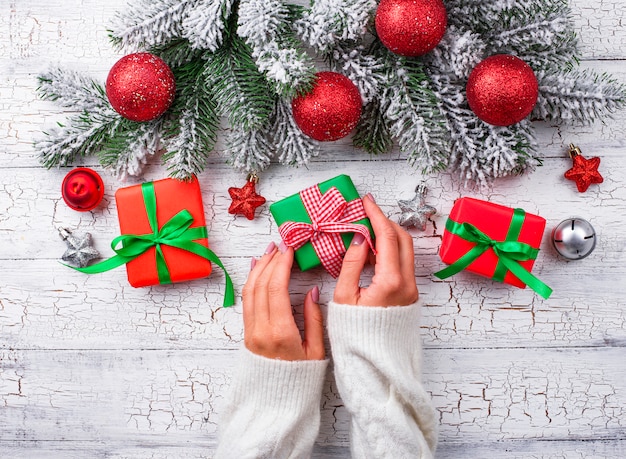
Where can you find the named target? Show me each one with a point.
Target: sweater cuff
(281, 386)
(381, 332)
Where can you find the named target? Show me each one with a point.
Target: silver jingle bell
(574, 238)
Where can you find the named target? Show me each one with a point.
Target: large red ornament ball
(502, 90)
(331, 110)
(411, 27)
(140, 87)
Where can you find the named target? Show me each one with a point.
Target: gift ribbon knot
(509, 252)
(330, 216)
(176, 232)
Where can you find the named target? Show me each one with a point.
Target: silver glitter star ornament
(416, 212)
(80, 249)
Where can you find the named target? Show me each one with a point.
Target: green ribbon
(509, 252)
(176, 232)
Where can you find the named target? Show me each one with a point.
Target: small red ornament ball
(502, 90)
(82, 189)
(140, 87)
(411, 27)
(331, 110)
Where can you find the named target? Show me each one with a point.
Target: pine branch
(149, 23)
(241, 92)
(293, 146)
(372, 133)
(364, 70)
(266, 27)
(577, 96)
(249, 151)
(205, 24)
(328, 22)
(71, 89)
(177, 53)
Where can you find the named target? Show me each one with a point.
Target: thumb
(313, 326)
(347, 289)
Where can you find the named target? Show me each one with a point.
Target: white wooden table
(91, 367)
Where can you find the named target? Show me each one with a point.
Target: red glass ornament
(411, 27)
(331, 110)
(502, 90)
(82, 189)
(140, 87)
(245, 200)
(584, 171)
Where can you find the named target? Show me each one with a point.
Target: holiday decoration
(245, 61)
(80, 250)
(331, 110)
(164, 237)
(411, 27)
(494, 241)
(502, 90)
(584, 171)
(140, 87)
(82, 189)
(320, 221)
(246, 200)
(416, 212)
(574, 238)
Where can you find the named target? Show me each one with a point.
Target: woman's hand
(393, 283)
(269, 326)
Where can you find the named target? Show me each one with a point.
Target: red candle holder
(82, 189)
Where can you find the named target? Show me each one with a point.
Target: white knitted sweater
(274, 407)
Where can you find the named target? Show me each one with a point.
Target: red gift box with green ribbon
(319, 222)
(494, 241)
(164, 236)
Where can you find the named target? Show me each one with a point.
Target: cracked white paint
(90, 366)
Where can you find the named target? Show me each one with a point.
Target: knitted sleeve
(377, 359)
(273, 410)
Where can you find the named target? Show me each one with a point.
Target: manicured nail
(315, 294)
(252, 263)
(282, 247)
(270, 248)
(358, 239)
(370, 197)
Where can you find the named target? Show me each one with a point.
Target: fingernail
(315, 294)
(370, 197)
(358, 239)
(252, 263)
(270, 248)
(282, 247)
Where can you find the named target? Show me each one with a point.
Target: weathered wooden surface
(90, 367)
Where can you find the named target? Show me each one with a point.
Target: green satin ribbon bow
(509, 252)
(176, 232)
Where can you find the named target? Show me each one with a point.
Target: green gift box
(337, 209)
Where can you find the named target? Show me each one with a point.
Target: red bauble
(502, 90)
(411, 27)
(245, 200)
(82, 189)
(331, 110)
(140, 87)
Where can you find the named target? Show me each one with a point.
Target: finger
(347, 289)
(274, 281)
(249, 293)
(386, 239)
(313, 326)
(406, 251)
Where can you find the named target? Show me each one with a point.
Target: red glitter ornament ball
(331, 110)
(140, 87)
(502, 90)
(411, 27)
(82, 189)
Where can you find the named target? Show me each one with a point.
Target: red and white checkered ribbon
(330, 216)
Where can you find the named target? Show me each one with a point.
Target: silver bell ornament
(574, 238)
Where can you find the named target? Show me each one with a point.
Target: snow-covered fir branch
(71, 89)
(372, 133)
(204, 24)
(364, 70)
(266, 27)
(293, 147)
(249, 151)
(330, 21)
(148, 23)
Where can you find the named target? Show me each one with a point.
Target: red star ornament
(584, 172)
(245, 200)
